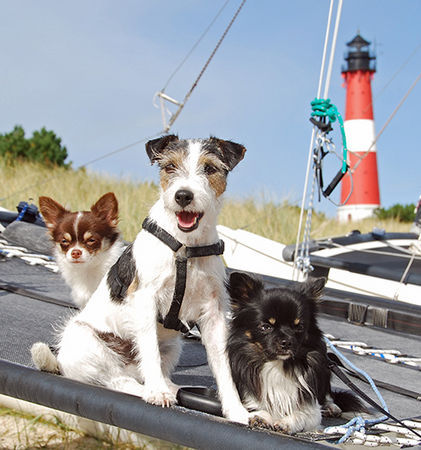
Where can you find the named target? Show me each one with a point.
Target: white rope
(388, 355)
(415, 249)
(303, 260)
(11, 251)
(313, 133)
(332, 49)
(413, 254)
(402, 437)
(330, 147)
(407, 253)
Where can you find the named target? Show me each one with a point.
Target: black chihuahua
(278, 357)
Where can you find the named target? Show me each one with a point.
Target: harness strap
(183, 254)
(161, 234)
(171, 320)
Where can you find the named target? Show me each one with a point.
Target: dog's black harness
(182, 255)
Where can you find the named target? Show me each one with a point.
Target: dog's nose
(184, 197)
(76, 253)
(284, 344)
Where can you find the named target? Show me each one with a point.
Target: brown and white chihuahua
(86, 243)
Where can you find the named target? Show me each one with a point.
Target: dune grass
(24, 431)
(79, 189)
(20, 430)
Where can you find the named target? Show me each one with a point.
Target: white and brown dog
(117, 340)
(86, 243)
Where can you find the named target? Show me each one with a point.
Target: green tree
(13, 145)
(401, 213)
(44, 147)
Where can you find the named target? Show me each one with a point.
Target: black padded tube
(131, 413)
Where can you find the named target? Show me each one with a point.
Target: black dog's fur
(279, 326)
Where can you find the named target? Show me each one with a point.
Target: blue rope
(357, 423)
(23, 211)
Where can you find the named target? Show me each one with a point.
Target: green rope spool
(324, 108)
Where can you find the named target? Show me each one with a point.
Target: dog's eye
(64, 242)
(265, 328)
(298, 325)
(209, 169)
(91, 241)
(170, 168)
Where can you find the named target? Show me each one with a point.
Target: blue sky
(89, 70)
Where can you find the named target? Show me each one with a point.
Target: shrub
(44, 147)
(401, 213)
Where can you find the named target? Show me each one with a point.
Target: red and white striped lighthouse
(360, 135)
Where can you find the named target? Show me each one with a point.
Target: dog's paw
(44, 359)
(164, 399)
(282, 427)
(259, 422)
(330, 409)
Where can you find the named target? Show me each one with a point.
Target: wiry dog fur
(278, 357)
(118, 343)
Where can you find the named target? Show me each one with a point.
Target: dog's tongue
(187, 219)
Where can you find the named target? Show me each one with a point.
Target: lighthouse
(360, 190)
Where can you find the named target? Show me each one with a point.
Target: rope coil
(324, 108)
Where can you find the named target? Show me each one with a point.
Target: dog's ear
(243, 288)
(51, 211)
(107, 208)
(230, 152)
(156, 146)
(313, 288)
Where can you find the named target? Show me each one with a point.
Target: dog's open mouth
(188, 220)
(285, 354)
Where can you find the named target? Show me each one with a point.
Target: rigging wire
(313, 134)
(205, 32)
(392, 115)
(92, 161)
(332, 49)
(173, 118)
(301, 260)
(403, 65)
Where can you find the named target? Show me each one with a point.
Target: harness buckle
(181, 253)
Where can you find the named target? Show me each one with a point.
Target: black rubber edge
(200, 399)
(175, 424)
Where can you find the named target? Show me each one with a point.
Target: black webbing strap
(183, 254)
(161, 234)
(382, 384)
(171, 320)
(333, 366)
(20, 290)
(205, 250)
